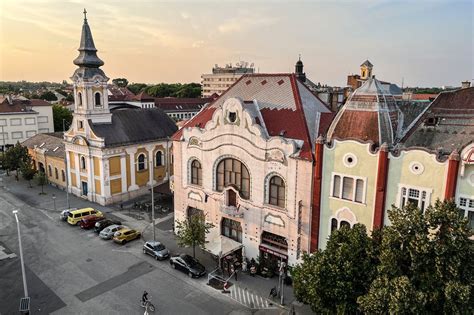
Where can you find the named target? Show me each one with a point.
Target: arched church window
(97, 99)
(159, 159)
(196, 173)
(79, 98)
(83, 163)
(141, 162)
(277, 192)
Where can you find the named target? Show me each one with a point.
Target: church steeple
(87, 51)
(299, 70)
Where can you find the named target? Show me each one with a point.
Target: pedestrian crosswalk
(248, 298)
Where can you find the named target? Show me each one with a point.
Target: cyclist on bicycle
(144, 297)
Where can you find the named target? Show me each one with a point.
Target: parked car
(109, 231)
(156, 250)
(126, 235)
(89, 221)
(99, 226)
(65, 213)
(75, 217)
(188, 264)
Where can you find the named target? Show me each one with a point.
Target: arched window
(63, 175)
(276, 192)
(233, 172)
(141, 162)
(159, 159)
(56, 174)
(50, 171)
(196, 173)
(97, 99)
(79, 98)
(83, 163)
(335, 224)
(232, 229)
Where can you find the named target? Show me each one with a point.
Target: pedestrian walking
(235, 274)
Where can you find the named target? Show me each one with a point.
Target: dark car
(89, 221)
(188, 264)
(156, 250)
(99, 226)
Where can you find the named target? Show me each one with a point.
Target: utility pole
(152, 173)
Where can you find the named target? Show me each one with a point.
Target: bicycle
(148, 306)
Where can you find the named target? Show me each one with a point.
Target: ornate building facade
(112, 156)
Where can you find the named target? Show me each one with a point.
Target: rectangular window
(415, 196)
(80, 125)
(466, 206)
(17, 135)
(3, 122)
(29, 121)
(43, 130)
(348, 188)
(3, 136)
(15, 122)
(42, 119)
(30, 133)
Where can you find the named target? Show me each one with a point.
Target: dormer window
(232, 117)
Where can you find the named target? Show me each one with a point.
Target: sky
(423, 43)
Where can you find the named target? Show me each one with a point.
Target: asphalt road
(72, 271)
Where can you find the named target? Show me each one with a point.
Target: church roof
(288, 108)
(447, 124)
(367, 63)
(87, 52)
(370, 114)
(131, 126)
(52, 143)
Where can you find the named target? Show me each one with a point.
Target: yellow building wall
(73, 179)
(114, 166)
(97, 187)
(55, 163)
(115, 186)
(96, 166)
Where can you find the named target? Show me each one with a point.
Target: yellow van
(74, 217)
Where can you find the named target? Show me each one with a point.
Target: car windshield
(70, 214)
(189, 261)
(159, 247)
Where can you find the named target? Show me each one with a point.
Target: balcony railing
(236, 212)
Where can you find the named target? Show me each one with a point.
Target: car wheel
(190, 274)
(78, 223)
(123, 242)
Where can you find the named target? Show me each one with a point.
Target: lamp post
(25, 288)
(152, 173)
(54, 202)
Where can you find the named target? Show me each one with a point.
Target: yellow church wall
(73, 179)
(55, 163)
(72, 162)
(142, 177)
(97, 187)
(96, 166)
(116, 186)
(159, 173)
(114, 166)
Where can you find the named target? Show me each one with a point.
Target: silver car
(156, 250)
(109, 231)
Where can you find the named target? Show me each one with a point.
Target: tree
(59, 113)
(136, 88)
(426, 263)
(15, 156)
(41, 180)
(27, 171)
(192, 232)
(49, 96)
(330, 281)
(120, 82)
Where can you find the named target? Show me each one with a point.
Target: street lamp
(54, 202)
(25, 288)
(152, 177)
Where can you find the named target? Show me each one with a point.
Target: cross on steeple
(85, 14)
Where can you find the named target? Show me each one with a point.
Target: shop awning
(220, 245)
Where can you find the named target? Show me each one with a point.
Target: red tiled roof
(423, 97)
(38, 102)
(199, 120)
(361, 125)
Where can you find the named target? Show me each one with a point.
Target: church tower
(90, 83)
(299, 70)
(366, 70)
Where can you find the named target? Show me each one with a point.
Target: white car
(109, 231)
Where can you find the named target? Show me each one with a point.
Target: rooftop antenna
(402, 82)
(299, 57)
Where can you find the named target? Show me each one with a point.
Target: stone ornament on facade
(194, 196)
(416, 168)
(349, 160)
(194, 142)
(274, 219)
(276, 155)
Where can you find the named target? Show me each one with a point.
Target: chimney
(465, 84)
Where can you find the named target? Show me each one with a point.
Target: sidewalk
(250, 291)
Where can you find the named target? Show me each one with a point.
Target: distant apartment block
(222, 78)
(22, 118)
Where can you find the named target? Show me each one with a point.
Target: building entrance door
(84, 189)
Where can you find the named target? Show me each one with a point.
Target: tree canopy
(120, 82)
(49, 96)
(60, 113)
(192, 232)
(15, 157)
(187, 90)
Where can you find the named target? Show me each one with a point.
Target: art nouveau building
(246, 162)
(112, 155)
(377, 155)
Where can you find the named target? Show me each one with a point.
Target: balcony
(232, 211)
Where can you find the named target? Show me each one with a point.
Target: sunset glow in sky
(428, 43)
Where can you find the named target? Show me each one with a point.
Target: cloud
(198, 44)
(241, 24)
